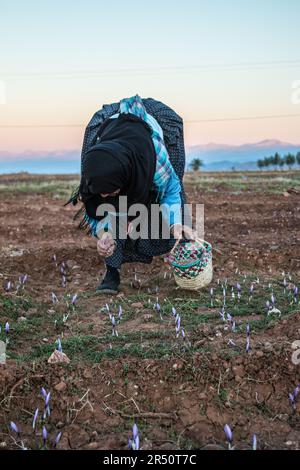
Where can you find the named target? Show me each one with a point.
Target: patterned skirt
(141, 250)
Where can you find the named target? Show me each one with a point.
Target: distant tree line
(278, 161)
(196, 164)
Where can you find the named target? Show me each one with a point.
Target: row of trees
(196, 164)
(278, 161)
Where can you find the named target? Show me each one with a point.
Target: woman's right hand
(106, 245)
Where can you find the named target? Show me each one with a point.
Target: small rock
(137, 305)
(268, 347)
(60, 387)
(58, 357)
(259, 353)
(22, 319)
(93, 445)
(31, 312)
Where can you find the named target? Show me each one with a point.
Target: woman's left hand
(179, 231)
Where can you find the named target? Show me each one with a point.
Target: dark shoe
(110, 283)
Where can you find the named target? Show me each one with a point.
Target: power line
(158, 69)
(242, 118)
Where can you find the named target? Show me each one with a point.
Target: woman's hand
(106, 245)
(179, 231)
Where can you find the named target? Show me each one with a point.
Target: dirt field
(181, 392)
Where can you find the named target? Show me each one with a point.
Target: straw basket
(192, 264)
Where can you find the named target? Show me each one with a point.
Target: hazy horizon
(227, 68)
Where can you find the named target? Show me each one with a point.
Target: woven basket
(192, 264)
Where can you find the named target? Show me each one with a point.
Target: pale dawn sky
(213, 62)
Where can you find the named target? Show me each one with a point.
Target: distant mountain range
(216, 157)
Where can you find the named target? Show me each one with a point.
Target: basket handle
(180, 239)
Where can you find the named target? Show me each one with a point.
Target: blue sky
(51, 51)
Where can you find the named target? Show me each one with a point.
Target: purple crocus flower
(178, 325)
(44, 435)
(54, 298)
(57, 439)
(7, 327)
(120, 312)
(174, 312)
(228, 434)
(15, 428)
(134, 443)
(248, 344)
(35, 418)
(8, 286)
(183, 333)
(114, 324)
(292, 400)
(248, 329)
(135, 431)
(222, 313)
(231, 343)
(212, 297)
(74, 299)
(47, 399)
(43, 392)
(59, 346)
(254, 442)
(296, 292)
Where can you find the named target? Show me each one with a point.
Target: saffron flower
(8, 286)
(74, 299)
(177, 329)
(59, 346)
(57, 439)
(15, 428)
(212, 297)
(35, 418)
(44, 435)
(134, 443)
(114, 325)
(120, 313)
(229, 436)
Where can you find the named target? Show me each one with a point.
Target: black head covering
(124, 158)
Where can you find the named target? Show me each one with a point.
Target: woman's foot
(111, 282)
